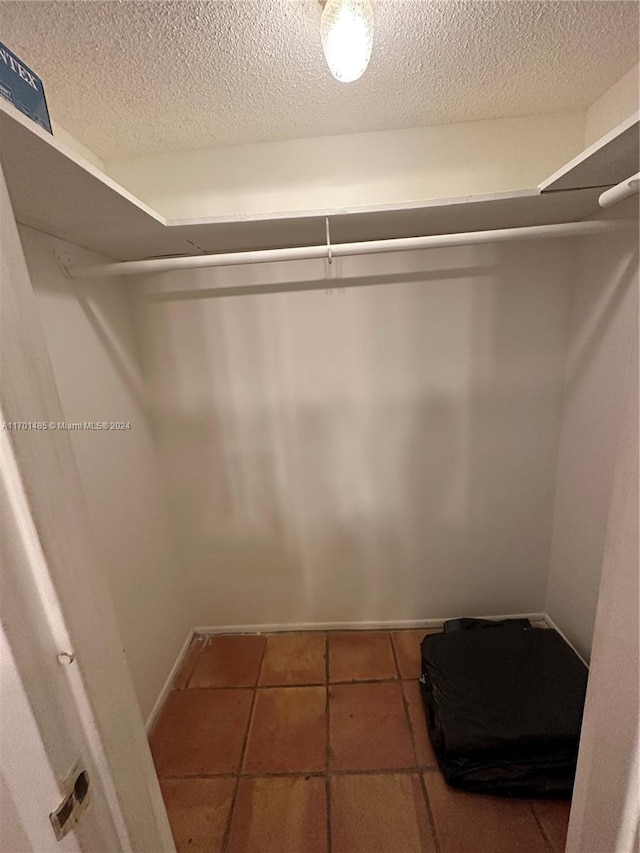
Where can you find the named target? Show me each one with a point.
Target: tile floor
(316, 743)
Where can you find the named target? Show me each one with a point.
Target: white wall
(382, 453)
(618, 103)
(91, 343)
(62, 135)
(387, 167)
(603, 311)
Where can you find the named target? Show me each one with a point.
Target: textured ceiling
(133, 77)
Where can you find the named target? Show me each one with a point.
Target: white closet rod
(401, 244)
(625, 189)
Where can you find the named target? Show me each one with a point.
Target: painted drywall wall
(90, 339)
(617, 104)
(62, 135)
(356, 169)
(373, 454)
(603, 312)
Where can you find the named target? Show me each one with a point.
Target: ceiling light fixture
(346, 31)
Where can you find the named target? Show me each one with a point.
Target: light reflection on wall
(377, 453)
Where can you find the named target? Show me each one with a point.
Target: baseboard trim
(277, 628)
(553, 625)
(166, 687)
(385, 625)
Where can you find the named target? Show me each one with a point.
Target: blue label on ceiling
(22, 88)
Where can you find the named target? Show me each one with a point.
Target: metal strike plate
(76, 786)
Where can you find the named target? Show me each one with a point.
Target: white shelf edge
(313, 213)
(66, 151)
(590, 151)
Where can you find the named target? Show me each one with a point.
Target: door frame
(605, 809)
(78, 654)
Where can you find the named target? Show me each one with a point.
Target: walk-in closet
(315, 358)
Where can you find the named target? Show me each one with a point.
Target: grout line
(414, 745)
(317, 774)
(197, 775)
(357, 681)
(234, 799)
(262, 657)
(430, 816)
(327, 783)
(405, 705)
(258, 686)
(395, 659)
(412, 735)
(251, 712)
(546, 838)
(365, 681)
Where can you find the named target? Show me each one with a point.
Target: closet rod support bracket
(340, 250)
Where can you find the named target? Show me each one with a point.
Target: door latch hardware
(75, 802)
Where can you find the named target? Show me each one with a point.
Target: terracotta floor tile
(296, 658)
(554, 818)
(288, 731)
(368, 727)
(201, 731)
(407, 646)
(183, 676)
(198, 811)
(228, 661)
(360, 656)
(286, 814)
(424, 751)
(490, 824)
(379, 814)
